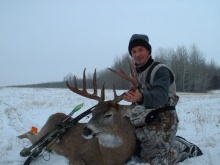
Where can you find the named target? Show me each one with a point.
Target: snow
(22, 108)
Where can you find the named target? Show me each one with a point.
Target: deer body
(110, 141)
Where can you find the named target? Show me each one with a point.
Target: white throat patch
(110, 141)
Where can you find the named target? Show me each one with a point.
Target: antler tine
(132, 79)
(75, 82)
(84, 92)
(103, 91)
(95, 87)
(94, 83)
(116, 97)
(84, 80)
(133, 71)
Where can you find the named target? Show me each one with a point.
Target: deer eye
(108, 115)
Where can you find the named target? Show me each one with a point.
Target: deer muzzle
(87, 133)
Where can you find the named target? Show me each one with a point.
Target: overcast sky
(45, 40)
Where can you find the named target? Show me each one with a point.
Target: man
(155, 117)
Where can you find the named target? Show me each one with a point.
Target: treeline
(193, 73)
(60, 84)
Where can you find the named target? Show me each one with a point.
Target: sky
(44, 41)
(199, 121)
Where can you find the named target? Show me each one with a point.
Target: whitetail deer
(108, 138)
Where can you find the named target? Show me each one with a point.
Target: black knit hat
(139, 40)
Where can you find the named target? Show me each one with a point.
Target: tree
(192, 72)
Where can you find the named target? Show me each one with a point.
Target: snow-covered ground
(22, 108)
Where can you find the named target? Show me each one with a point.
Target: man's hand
(133, 96)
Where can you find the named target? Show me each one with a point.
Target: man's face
(140, 54)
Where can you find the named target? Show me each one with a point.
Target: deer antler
(133, 79)
(84, 92)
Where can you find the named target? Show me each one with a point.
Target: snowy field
(22, 108)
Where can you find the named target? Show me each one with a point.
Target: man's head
(139, 48)
(139, 40)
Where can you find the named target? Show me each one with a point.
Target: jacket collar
(141, 68)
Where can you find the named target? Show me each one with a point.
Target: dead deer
(108, 138)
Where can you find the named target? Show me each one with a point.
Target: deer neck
(110, 141)
(121, 136)
(122, 147)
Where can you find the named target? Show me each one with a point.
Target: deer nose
(87, 132)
